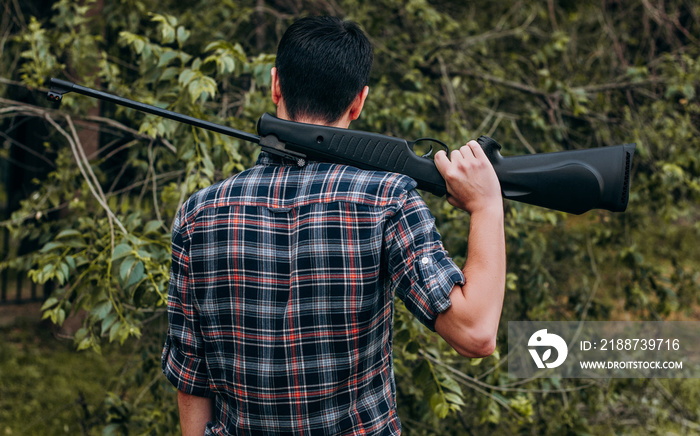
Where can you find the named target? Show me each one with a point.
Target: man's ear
(275, 86)
(358, 104)
(276, 95)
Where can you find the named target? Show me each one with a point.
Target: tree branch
(589, 89)
(86, 171)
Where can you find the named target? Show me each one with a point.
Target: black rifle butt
(569, 181)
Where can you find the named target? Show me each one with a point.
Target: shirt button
(425, 260)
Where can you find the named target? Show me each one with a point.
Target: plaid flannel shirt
(281, 296)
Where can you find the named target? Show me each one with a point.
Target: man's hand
(471, 181)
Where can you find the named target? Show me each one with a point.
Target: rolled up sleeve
(421, 270)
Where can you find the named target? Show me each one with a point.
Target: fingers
(476, 149)
(471, 150)
(461, 154)
(466, 152)
(458, 158)
(440, 156)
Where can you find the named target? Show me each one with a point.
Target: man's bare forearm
(485, 269)
(195, 413)
(471, 323)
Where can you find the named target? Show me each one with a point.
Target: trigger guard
(432, 140)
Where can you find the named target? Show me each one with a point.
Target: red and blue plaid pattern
(281, 296)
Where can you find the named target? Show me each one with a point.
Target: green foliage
(39, 59)
(48, 388)
(537, 76)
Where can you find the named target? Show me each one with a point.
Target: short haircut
(323, 63)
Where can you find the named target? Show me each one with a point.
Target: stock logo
(542, 339)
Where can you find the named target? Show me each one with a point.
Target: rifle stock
(569, 181)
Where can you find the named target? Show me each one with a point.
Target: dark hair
(322, 63)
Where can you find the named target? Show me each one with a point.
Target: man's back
(287, 273)
(282, 281)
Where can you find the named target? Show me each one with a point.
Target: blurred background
(88, 192)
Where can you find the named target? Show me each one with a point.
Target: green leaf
(80, 334)
(49, 303)
(114, 330)
(229, 65)
(402, 335)
(70, 262)
(422, 373)
(412, 347)
(121, 250)
(136, 275)
(453, 398)
(125, 268)
(186, 76)
(169, 73)
(50, 246)
(167, 34)
(108, 321)
(152, 227)
(65, 271)
(439, 405)
(138, 44)
(101, 311)
(84, 344)
(451, 384)
(60, 316)
(68, 233)
(216, 45)
(111, 430)
(182, 35)
(166, 57)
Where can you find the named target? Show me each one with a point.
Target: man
(283, 277)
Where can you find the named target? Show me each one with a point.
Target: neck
(342, 122)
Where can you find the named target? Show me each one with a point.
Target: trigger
(431, 140)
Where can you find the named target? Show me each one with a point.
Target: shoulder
(347, 183)
(316, 182)
(292, 186)
(198, 201)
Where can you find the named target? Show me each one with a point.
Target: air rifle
(568, 181)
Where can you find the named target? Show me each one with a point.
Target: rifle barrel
(59, 87)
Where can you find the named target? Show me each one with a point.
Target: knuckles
(458, 165)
